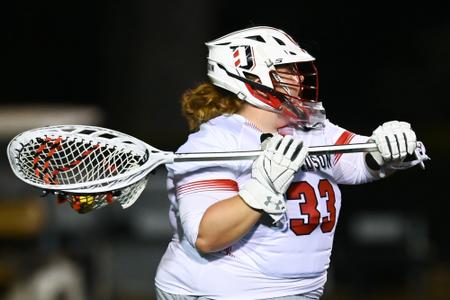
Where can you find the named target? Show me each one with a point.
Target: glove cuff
(258, 196)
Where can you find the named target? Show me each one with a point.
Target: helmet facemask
(294, 93)
(299, 85)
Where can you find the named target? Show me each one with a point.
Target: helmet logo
(243, 57)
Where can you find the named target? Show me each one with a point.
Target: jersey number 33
(308, 207)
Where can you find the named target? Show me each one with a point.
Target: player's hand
(395, 140)
(272, 173)
(283, 156)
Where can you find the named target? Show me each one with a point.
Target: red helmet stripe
(270, 100)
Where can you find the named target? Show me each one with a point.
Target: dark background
(132, 60)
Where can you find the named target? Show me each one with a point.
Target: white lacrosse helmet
(258, 64)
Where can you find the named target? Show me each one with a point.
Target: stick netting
(60, 161)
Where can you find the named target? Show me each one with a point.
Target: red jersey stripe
(207, 186)
(344, 139)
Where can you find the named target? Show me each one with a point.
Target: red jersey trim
(250, 124)
(212, 185)
(344, 139)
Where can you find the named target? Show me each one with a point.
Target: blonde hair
(205, 102)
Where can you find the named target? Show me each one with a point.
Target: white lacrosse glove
(272, 173)
(395, 140)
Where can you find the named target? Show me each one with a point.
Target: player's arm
(225, 222)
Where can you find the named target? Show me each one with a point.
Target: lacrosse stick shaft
(243, 155)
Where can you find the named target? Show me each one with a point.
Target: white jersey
(269, 261)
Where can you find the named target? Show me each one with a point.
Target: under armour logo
(278, 206)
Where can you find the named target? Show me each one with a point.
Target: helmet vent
(223, 44)
(279, 41)
(290, 52)
(256, 38)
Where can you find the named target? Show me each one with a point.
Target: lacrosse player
(263, 229)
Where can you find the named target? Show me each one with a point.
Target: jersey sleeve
(198, 185)
(349, 168)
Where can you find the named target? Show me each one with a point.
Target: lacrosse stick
(92, 166)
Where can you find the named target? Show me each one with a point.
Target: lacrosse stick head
(79, 161)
